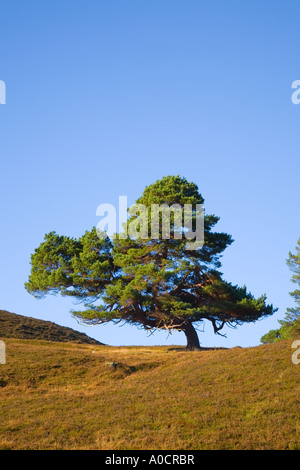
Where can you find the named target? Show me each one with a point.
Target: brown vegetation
(19, 326)
(71, 396)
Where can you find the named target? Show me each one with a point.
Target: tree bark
(191, 336)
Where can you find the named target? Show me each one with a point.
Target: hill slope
(71, 396)
(20, 327)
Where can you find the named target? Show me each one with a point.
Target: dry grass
(69, 396)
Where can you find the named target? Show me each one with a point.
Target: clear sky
(105, 97)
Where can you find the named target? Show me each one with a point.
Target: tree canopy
(151, 283)
(290, 325)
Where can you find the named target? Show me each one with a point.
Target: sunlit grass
(70, 396)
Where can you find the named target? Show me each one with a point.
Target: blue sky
(106, 97)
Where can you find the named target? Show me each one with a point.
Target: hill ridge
(17, 326)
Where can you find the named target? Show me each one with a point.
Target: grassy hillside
(71, 396)
(18, 326)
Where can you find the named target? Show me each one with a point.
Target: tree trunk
(191, 336)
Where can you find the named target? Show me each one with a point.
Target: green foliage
(293, 262)
(79, 268)
(288, 330)
(290, 325)
(151, 283)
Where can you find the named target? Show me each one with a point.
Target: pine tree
(151, 283)
(290, 325)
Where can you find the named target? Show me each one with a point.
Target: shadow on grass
(184, 349)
